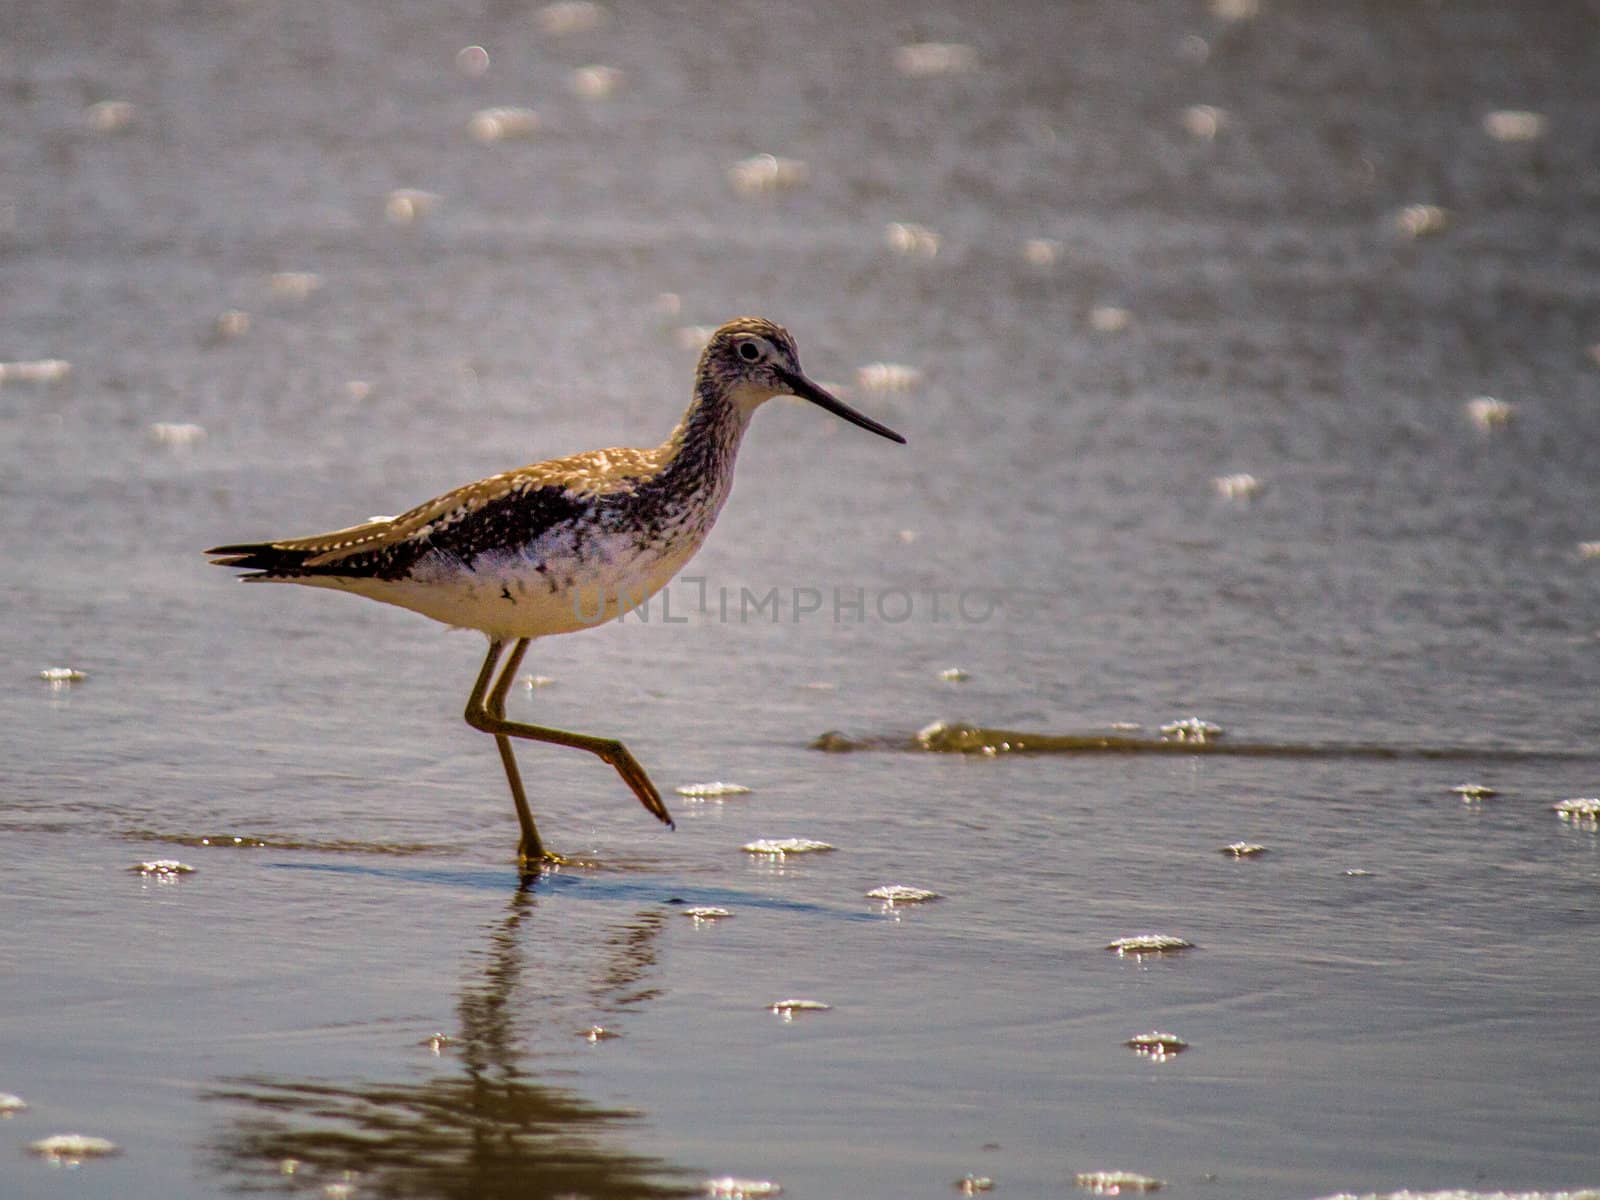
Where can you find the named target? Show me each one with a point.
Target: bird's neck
(700, 451)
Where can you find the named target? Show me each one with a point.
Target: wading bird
(561, 545)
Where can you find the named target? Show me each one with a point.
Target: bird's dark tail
(265, 560)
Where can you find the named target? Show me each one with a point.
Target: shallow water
(1398, 993)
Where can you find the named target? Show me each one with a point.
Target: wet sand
(1097, 266)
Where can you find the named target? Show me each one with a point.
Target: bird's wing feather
(561, 484)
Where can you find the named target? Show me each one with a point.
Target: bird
(559, 546)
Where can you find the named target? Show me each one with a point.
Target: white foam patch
(73, 1147)
(711, 791)
(787, 1008)
(164, 867)
(1149, 943)
(1115, 1183)
(729, 1187)
(900, 893)
(784, 846)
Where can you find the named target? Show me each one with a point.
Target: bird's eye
(750, 352)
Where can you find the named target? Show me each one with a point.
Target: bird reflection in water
(490, 1131)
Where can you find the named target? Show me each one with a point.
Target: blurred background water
(1098, 261)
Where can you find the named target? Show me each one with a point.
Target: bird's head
(750, 360)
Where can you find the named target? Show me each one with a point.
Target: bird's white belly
(556, 586)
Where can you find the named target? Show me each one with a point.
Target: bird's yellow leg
(607, 749)
(488, 713)
(530, 850)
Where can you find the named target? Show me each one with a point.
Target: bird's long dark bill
(806, 390)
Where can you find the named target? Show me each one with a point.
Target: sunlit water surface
(1096, 301)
